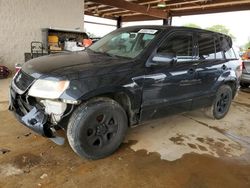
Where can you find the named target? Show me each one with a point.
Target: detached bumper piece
(33, 117)
(36, 121)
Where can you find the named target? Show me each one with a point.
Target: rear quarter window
(229, 54)
(209, 47)
(226, 45)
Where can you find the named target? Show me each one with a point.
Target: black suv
(131, 75)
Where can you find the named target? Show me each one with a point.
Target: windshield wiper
(109, 54)
(104, 53)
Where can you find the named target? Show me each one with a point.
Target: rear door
(211, 63)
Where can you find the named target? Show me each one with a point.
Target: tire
(97, 128)
(244, 85)
(222, 102)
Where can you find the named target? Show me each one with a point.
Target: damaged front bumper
(33, 117)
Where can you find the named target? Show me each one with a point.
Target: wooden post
(167, 21)
(119, 22)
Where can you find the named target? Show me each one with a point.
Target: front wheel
(222, 102)
(97, 128)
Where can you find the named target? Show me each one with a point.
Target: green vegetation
(247, 45)
(221, 29)
(193, 25)
(216, 28)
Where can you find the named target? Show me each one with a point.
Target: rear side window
(218, 49)
(206, 46)
(209, 47)
(227, 48)
(178, 45)
(230, 54)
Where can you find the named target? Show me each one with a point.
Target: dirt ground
(188, 150)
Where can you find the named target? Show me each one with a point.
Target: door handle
(191, 71)
(223, 67)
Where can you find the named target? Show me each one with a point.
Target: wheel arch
(128, 100)
(233, 84)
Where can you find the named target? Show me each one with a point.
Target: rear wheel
(97, 128)
(222, 101)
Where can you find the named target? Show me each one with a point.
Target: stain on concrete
(26, 160)
(152, 159)
(200, 139)
(177, 140)
(242, 104)
(202, 148)
(193, 146)
(128, 168)
(9, 170)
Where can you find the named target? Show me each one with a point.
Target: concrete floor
(4, 92)
(186, 150)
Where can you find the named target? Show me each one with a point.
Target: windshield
(127, 44)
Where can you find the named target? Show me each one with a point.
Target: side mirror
(162, 60)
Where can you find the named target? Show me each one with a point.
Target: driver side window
(179, 46)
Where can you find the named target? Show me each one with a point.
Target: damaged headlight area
(55, 109)
(40, 107)
(48, 89)
(47, 93)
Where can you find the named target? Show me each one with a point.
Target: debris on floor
(4, 151)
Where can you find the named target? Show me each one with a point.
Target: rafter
(138, 18)
(210, 9)
(125, 5)
(216, 3)
(136, 10)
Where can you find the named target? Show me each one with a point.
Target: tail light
(18, 67)
(243, 65)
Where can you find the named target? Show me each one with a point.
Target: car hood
(72, 64)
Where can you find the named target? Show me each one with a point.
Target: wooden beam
(100, 7)
(134, 7)
(138, 18)
(172, 2)
(103, 7)
(117, 12)
(113, 11)
(131, 14)
(214, 3)
(200, 7)
(208, 10)
(100, 16)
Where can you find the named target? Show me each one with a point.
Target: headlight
(48, 89)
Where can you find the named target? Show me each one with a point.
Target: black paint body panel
(154, 91)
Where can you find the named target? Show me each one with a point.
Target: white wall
(21, 22)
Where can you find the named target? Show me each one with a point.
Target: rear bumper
(245, 78)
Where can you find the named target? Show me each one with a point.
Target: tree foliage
(247, 45)
(221, 29)
(218, 28)
(193, 25)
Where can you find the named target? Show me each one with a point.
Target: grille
(23, 80)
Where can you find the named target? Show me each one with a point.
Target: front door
(170, 88)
